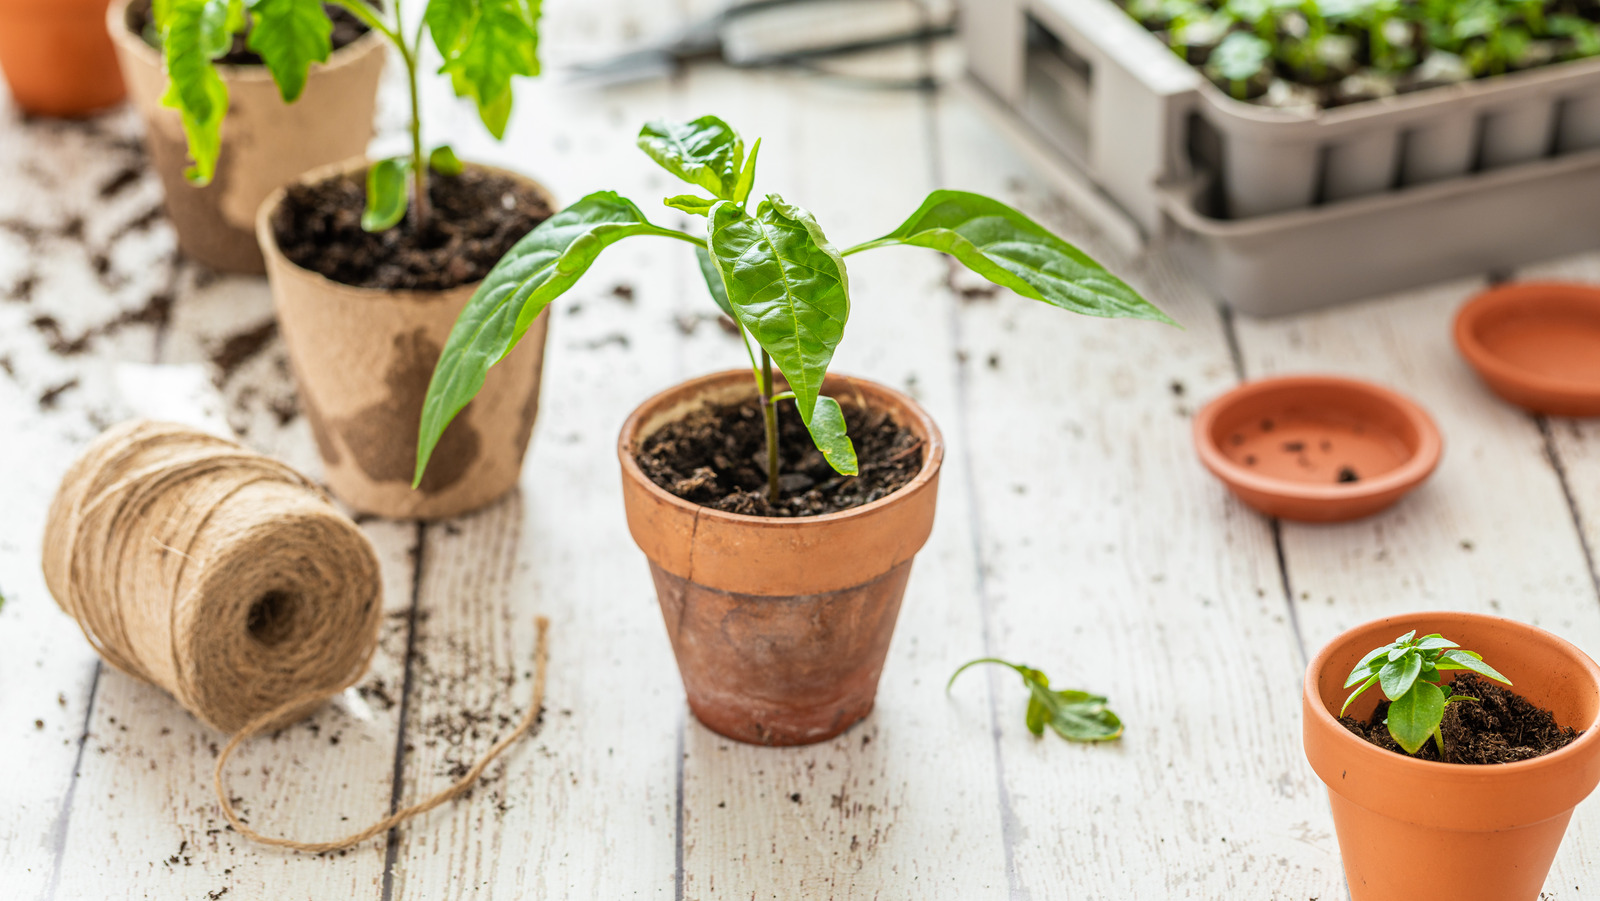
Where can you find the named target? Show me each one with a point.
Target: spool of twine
(227, 579)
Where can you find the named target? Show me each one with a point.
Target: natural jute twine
(227, 579)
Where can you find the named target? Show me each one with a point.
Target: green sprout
(1407, 671)
(1074, 715)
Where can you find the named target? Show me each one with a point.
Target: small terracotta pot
(1317, 448)
(363, 359)
(58, 57)
(780, 626)
(266, 143)
(1415, 828)
(1536, 344)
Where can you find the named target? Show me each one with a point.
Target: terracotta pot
(266, 143)
(57, 56)
(1536, 344)
(363, 358)
(1413, 828)
(1317, 448)
(780, 626)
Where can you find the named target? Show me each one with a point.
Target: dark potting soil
(346, 29)
(477, 217)
(1500, 727)
(716, 457)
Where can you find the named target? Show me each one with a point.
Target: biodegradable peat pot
(266, 143)
(58, 57)
(1317, 448)
(1414, 828)
(780, 626)
(363, 358)
(1536, 344)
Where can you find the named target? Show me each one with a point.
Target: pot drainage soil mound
(1501, 727)
(346, 29)
(716, 457)
(477, 217)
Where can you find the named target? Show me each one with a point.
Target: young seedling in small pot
(1074, 715)
(1407, 671)
(770, 268)
(814, 580)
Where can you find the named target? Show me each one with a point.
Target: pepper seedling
(484, 43)
(1074, 715)
(771, 269)
(1407, 672)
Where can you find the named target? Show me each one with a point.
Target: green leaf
(1358, 692)
(1013, 251)
(540, 268)
(386, 194)
(290, 35)
(1469, 661)
(443, 160)
(828, 433)
(706, 153)
(486, 44)
(1415, 715)
(788, 288)
(194, 33)
(691, 203)
(1369, 665)
(1035, 716)
(1435, 642)
(1074, 715)
(747, 176)
(713, 277)
(1397, 676)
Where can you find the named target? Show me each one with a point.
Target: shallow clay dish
(1317, 448)
(1536, 344)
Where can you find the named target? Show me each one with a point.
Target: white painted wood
(1114, 564)
(1490, 532)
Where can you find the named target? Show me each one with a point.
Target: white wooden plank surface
(1490, 532)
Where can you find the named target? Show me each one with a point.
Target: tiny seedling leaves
(693, 204)
(1415, 715)
(1408, 672)
(386, 194)
(1013, 251)
(1074, 715)
(443, 160)
(540, 268)
(706, 153)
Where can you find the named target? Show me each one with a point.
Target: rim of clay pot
(932, 457)
(117, 25)
(1422, 462)
(1524, 298)
(1370, 754)
(268, 238)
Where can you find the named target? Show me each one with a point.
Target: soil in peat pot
(1500, 727)
(346, 29)
(716, 457)
(477, 216)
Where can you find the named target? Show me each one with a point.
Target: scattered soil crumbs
(1501, 727)
(716, 457)
(241, 348)
(346, 28)
(477, 217)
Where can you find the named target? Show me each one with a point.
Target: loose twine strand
(227, 579)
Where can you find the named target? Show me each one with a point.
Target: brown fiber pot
(1411, 829)
(266, 143)
(58, 57)
(363, 358)
(780, 626)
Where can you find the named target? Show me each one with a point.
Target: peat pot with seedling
(1453, 760)
(297, 88)
(780, 507)
(371, 263)
(57, 57)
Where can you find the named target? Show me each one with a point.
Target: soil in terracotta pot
(346, 28)
(477, 217)
(716, 457)
(1501, 727)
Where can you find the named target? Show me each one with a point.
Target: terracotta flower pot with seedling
(296, 94)
(780, 546)
(1468, 831)
(57, 56)
(372, 263)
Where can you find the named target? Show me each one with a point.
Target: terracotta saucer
(1536, 344)
(1317, 448)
